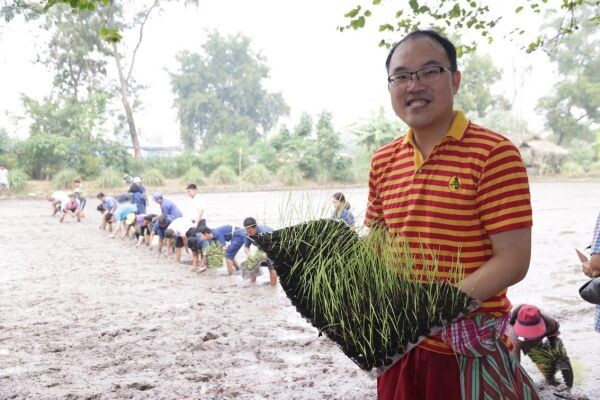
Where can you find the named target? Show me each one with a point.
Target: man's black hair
(100, 195)
(433, 35)
(204, 230)
(249, 222)
(192, 186)
(169, 233)
(163, 221)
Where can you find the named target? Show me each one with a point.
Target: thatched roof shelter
(544, 147)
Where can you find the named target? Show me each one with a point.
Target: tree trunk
(128, 113)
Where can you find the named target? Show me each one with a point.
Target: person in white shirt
(197, 213)
(4, 185)
(56, 199)
(180, 229)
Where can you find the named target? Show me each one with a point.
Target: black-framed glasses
(427, 74)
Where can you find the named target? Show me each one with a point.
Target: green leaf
(376, 2)
(352, 13)
(367, 13)
(518, 9)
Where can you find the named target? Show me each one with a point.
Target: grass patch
(64, 179)
(109, 178)
(153, 177)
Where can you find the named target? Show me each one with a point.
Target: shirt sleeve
(596, 239)
(503, 191)
(374, 213)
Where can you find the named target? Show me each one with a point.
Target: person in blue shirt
(341, 209)
(252, 228)
(119, 216)
(107, 208)
(169, 213)
(224, 234)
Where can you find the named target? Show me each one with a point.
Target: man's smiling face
(423, 106)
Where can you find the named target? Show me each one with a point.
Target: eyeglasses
(427, 74)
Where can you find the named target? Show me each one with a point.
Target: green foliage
(341, 169)
(109, 178)
(220, 91)
(290, 174)
(134, 166)
(41, 156)
(582, 154)
(257, 174)
(328, 142)
(479, 74)
(17, 180)
(193, 175)
(469, 18)
(227, 153)
(305, 126)
(64, 179)
(223, 175)
(378, 131)
(153, 177)
(508, 124)
(573, 106)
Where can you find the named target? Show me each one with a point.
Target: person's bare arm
(508, 265)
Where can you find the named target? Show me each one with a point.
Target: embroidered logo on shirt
(455, 184)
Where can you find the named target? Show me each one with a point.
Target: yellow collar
(457, 129)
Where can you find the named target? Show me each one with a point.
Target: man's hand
(591, 268)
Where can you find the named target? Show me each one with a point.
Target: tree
(378, 131)
(572, 111)
(220, 92)
(328, 140)
(470, 17)
(478, 75)
(305, 126)
(66, 117)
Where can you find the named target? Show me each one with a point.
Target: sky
(313, 65)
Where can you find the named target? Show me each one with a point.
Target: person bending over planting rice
(56, 199)
(119, 217)
(179, 230)
(71, 207)
(455, 195)
(107, 208)
(537, 335)
(230, 238)
(252, 228)
(341, 209)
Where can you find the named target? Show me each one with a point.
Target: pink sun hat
(530, 324)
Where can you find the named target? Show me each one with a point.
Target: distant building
(542, 156)
(157, 151)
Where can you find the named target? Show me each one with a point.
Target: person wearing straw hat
(536, 334)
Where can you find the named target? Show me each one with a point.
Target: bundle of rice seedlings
(550, 360)
(215, 255)
(251, 267)
(362, 293)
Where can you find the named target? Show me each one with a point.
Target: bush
(64, 179)
(341, 169)
(17, 180)
(193, 175)
(153, 177)
(290, 174)
(223, 175)
(571, 168)
(109, 178)
(257, 174)
(135, 166)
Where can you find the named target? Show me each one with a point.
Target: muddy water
(86, 317)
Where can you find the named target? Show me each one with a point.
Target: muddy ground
(86, 317)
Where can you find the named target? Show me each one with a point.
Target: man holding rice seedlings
(456, 195)
(230, 238)
(252, 228)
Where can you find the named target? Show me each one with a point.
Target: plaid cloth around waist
(487, 368)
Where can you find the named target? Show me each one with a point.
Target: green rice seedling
(109, 178)
(194, 175)
(214, 255)
(64, 179)
(361, 292)
(223, 175)
(153, 177)
(17, 180)
(550, 360)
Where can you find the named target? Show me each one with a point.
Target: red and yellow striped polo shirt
(472, 185)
